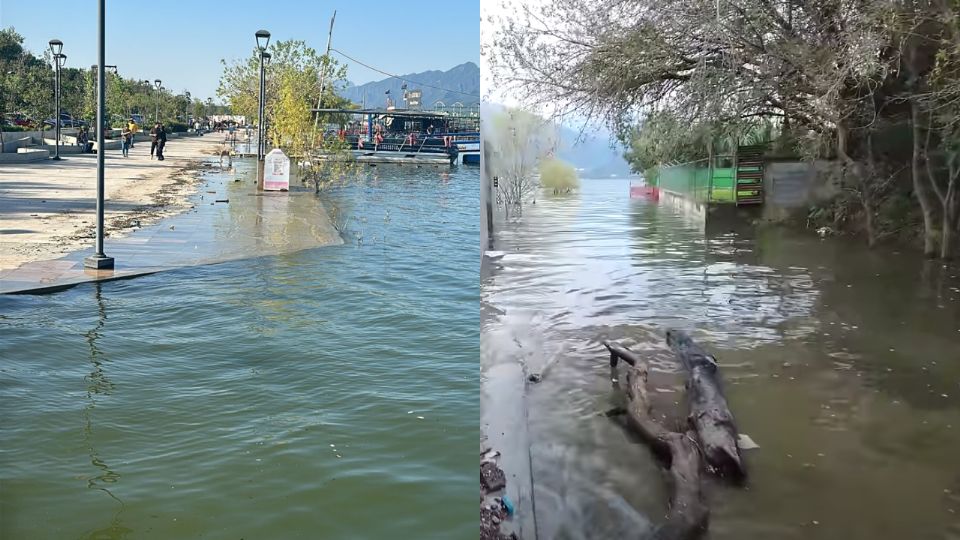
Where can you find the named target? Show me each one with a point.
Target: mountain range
(592, 153)
(457, 84)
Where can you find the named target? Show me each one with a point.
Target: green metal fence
(695, 181)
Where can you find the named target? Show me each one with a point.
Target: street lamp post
(56, 47)
(99, 260)
(263, 40)
(265, 61)
(156, 115)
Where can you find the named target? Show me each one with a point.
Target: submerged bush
(558, 176)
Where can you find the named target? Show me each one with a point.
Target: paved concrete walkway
(228, 220)
(47, 209)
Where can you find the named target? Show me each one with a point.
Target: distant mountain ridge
(593, 156)
(459, 84)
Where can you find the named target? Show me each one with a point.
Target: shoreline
(48, 209)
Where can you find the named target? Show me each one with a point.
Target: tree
(939, 103)
(27, 82)
(839, 77)
(558, 176)
(293, 89)
(519, 141)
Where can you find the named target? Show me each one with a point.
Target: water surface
(841, 363)
(328, 393)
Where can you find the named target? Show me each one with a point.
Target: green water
(329, 393)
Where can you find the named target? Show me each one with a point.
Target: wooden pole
(324, 72)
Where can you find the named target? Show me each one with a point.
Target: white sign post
(276, 171)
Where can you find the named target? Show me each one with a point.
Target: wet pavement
(228, 220)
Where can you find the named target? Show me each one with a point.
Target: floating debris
(746, 443)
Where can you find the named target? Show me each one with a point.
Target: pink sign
(276, 171)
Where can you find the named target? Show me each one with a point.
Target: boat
(409, 136)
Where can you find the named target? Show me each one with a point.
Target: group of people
(158, 139)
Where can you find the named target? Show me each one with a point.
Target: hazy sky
(181, 42)
(497, 9)
(490, 92)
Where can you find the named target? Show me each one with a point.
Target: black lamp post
(56, 47)
(263, 40)
(265, 58)
(99, 260)
(156, 116)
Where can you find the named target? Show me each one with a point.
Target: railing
(698, 181)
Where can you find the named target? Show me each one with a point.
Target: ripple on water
(206, 400)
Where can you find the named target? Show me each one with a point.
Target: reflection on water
(842, 364)
(99, 386)
(327, 393)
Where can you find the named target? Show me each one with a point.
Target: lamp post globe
(263, 39)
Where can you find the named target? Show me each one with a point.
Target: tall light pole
(56, 47)
(263, 40)
(99, 132)
(99, 260)
(156, 115)
(265, 58)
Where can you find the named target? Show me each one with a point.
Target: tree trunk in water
(947, 250)
(868, 218)
(688, 515)
(920, 187)
(709, 413)
(948, 245)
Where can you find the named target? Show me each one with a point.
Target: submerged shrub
(558, 176)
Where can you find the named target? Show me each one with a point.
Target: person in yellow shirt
(134, 129)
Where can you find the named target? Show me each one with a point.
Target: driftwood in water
(710, 415)
(688, 515)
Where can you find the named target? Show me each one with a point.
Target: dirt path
(48, 209)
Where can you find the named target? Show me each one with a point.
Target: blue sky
(181, 42)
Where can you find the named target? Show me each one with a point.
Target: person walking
(134, 128)
(161, 141)
(153, 138)
(125, 137)
(82, 140)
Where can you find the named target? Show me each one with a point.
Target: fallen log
(688, 515)
(710, 415)
(617, 352)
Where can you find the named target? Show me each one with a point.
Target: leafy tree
(850, 79)
(293, 81)
(558, 176)
(519, 142)
(27, 86)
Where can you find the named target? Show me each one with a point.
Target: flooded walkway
(841, 363)
(228, 219)
(324, 393)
